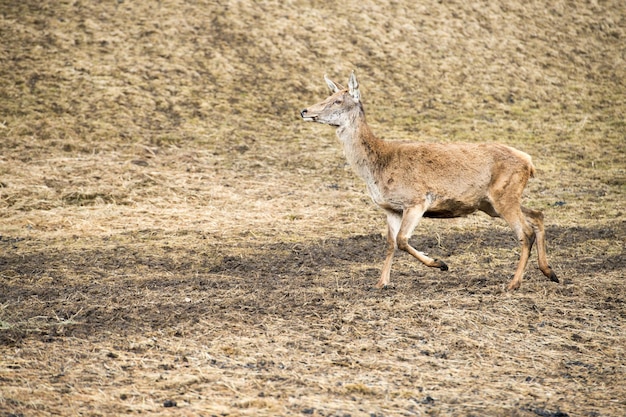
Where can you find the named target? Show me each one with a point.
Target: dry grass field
(174, 239)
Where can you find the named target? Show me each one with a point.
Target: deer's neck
(363, 150)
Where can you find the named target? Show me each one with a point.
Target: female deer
(411, 180)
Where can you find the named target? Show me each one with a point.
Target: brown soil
(173, 240)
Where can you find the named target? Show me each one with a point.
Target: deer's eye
(338, 101)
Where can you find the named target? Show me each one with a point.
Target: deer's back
(450, 161)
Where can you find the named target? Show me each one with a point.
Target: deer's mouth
(315, 118)
(305, 116)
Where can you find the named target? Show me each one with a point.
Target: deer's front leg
(393, 225)
(410, 220)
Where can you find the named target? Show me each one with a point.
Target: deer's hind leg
(535, 218)
(526, 235)
(507, 206)
(505, 201)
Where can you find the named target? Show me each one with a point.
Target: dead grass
(171, 232)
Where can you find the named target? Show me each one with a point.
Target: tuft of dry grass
(172, 237)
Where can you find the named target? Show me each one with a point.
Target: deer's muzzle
(304, 113)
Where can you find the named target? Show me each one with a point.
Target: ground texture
(174, 240)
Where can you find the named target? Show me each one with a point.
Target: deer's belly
(451, 207)
(435, 206)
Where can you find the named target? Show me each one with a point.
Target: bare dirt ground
(174, 240)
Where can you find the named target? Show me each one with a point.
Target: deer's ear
(331, 85)
(353, 87)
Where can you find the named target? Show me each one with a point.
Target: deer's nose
(303, 112)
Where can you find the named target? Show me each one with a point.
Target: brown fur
(411, 180)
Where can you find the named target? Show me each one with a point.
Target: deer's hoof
(442, 265)
(382, 287)
(553, 277)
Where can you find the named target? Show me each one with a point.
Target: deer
(410, 180)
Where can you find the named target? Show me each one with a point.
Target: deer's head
(338, 109)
